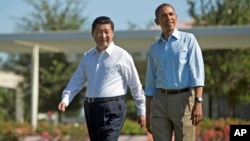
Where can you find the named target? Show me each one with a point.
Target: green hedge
(133, 128)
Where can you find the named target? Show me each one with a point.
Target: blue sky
(139, 12)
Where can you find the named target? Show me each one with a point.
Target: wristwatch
(198, 99)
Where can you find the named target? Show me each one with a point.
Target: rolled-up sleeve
(196, 64)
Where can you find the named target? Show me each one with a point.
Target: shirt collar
(175, 34)
(108, 50)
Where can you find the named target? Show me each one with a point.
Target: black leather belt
(177, 91)
(105, 99)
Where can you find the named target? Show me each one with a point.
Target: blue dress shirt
(174, 64)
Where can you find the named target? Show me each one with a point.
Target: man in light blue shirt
(107, 71)
(174, 81)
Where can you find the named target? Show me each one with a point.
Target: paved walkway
(121, 138)
(133, 138)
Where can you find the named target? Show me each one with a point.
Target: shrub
(208, 129)
(16, 131)
(131, 127)
(216, 129)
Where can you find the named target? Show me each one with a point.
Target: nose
(102, 34)
(168, 16)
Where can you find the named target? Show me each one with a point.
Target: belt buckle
(90, 100)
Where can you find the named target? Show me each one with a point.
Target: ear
(156, 21)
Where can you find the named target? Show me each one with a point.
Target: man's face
(166, 18)
(103, 35)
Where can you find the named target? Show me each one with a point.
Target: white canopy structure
(77, 42)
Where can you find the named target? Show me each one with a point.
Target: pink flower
(207, 135)
(57, 132)
(45, 134)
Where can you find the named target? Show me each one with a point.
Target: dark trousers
(105, 119)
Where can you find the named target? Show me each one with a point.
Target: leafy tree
(227, 76)
(54, 69)
(49, 16)
(220, 12)
(227, 71)
(132, 26)
(7, 99)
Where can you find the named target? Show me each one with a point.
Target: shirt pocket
(111, 71)
(181, 56)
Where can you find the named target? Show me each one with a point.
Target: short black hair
(161, 6)
(102, 20)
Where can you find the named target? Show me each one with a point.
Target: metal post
(35, 86)
(19, 104)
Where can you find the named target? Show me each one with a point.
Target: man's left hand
(141, 120)
(196, 116)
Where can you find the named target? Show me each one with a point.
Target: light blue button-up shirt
(106, 74)
(174, 64)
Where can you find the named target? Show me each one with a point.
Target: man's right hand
(62, 106)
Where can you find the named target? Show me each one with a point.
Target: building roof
(79, 42)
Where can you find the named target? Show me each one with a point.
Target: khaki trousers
(172, 113)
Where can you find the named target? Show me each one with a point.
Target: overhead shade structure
(133, 41)
(79, 42)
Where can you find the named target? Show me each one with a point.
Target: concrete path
(121, 138)
(133, 138)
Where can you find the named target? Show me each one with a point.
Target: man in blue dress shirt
(174, 81)
(107, 71)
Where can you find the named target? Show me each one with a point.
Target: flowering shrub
(15, 131)
(207, 130)
(216, 129)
